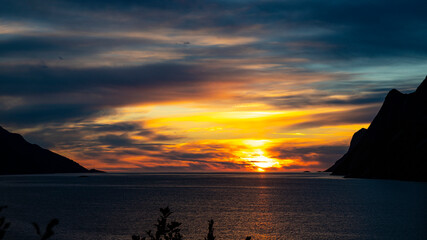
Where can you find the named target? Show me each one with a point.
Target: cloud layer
(154, 85)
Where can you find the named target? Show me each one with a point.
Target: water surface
(264, 206)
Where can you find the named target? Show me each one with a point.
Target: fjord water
(264, 206)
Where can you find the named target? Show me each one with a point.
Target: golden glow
(255, 143)
(256, 156)
(248, 139)
(262, 161)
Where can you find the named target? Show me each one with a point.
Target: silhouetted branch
(3, 224)
(164, 230)
(210, 231)
(49, 229)
(171, 231)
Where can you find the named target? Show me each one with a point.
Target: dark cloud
(366, 29)
(354, 116)
(82, 93)
(193, 167)
(325, 99)
(115, 140)
(199, 157)
(116, 127)
(33, 115)
(325, 155)
(49, 47)
(29, 80)
(99, 141)
(185, 168)
(162, 137)
(351, 29)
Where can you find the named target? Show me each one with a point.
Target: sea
(261, 205)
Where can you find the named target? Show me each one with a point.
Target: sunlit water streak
(264, 206)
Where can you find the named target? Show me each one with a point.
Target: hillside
(17, 156)
(395, 144)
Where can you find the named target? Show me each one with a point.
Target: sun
(257, 159)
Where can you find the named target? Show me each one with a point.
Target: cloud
(325, 155)
(307, 100)
(28, 114)
(92, 139)
(333, 30)
(67, 65)
(82, 93)
(353, 116)
(116, 127)
(35, 80)
(115, 140)
(51, 46)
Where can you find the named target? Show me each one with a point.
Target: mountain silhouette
(395, 144)
(17, 156)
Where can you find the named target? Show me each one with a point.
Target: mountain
(17, 156)
(395, 144)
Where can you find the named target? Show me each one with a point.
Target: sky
(180, 86)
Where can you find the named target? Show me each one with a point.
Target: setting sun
(256, 157)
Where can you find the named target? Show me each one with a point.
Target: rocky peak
(394, 146)
(422, 89)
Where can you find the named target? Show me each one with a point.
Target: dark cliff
(17, 156)
(395, 144)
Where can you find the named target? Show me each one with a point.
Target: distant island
(17, 156)
(395, 144)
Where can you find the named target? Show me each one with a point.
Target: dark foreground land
(17, 156)
(395, 144)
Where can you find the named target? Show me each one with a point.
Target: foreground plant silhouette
(3, 224)
(49, 229)
(210, 231)
(171, 231)
(165, 230)
(43, 236)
